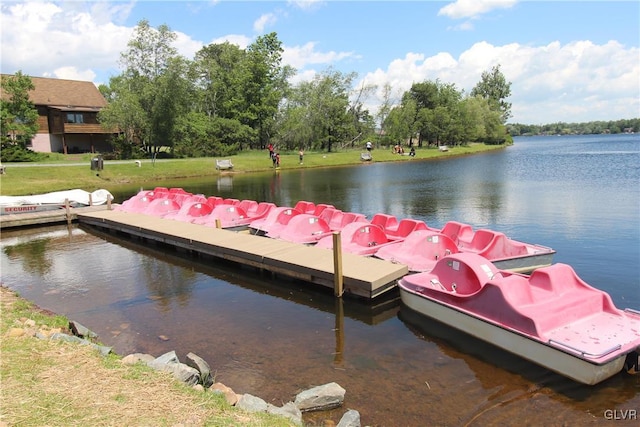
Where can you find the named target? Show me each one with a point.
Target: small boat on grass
(51, 201)
(552, 317)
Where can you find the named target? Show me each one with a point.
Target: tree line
(228, 99)
(561, 128)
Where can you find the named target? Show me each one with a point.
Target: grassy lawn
(50, 382)
(51, 176)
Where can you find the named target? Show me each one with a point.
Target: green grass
(50, 382)
(46, 177)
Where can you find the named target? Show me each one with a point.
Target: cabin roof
(64, 94)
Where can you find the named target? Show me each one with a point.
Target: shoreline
(25, 179)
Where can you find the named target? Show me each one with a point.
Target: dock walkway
(54, 216)
(362, 276)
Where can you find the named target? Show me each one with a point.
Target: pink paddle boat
(277, 218)
(360, 238)
(503, 252)
(552, 318)
(419, 251)
(303, 228)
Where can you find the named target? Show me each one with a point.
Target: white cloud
(473, 8)
(74, 39)
(239, 40)
(307, 4)
(300, 56)
(72, 73)
(575, 82)
(268, 19)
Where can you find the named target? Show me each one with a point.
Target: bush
(15, 153)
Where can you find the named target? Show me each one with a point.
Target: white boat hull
(545, 355)
(10, 205)
(524, 264)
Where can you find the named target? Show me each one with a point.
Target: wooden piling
(67, 210)
(338, 281)
(218, 223)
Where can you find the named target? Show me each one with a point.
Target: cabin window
(75, 118)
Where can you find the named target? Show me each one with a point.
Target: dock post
(337, 265)
(68, 210)
(90, 200)
(339, 328)
(218, 223)
(109, 202)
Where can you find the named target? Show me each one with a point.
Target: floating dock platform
(53, 216)
(361, 276)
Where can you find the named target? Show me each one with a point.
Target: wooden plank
(45, 217)
(362, 276)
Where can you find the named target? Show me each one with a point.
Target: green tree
(494, 87)
(217, 73)
(264, 86)
(152, 92)
(18, 117)
(436, 111)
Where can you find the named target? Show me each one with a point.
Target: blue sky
(567, 61)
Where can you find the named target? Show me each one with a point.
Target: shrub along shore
(74, 171)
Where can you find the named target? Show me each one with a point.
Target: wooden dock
(361, 276)
(54, 216)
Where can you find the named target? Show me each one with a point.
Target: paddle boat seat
(462, 274)
(366, 240)
(248, 205)
(405, 227)
(161, 207)
(183, 213)
(321, 207)
(136, 204)
(229, 216)
(261, 210)
(275, 219)
(420, 250)
(305, 207)
(327, 213)
(459, 232)
(340, 219)
(303, 228)
(385, 221)
(494, 245)
(214, 201)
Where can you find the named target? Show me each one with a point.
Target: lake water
(272, 338)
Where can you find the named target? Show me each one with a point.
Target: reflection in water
(273, 337)
(518, 378)
(166, 282)
(32, 254)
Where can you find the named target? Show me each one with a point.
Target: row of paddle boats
(472, 280)
(407, 241)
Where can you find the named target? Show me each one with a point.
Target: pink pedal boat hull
(552, 318)
(360, 238)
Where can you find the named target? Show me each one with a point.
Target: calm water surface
(273, 338)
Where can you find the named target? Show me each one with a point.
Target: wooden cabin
(67, 116)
